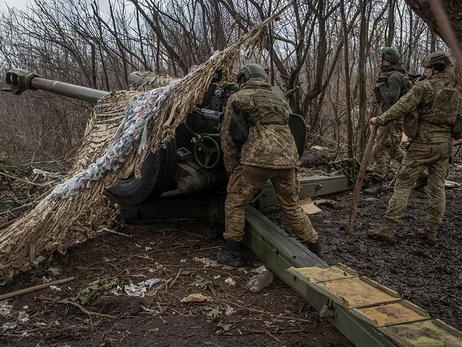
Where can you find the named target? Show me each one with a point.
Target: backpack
(445, 106)
(444, 111)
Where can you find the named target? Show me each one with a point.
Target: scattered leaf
(202, 282)
(196, 297)
(318, 148)
(223, 325)
(186, 272)
(211, 311)
(214, 313)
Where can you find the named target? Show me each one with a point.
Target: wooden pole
(360, 179)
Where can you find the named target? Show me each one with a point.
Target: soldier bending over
(269, 153)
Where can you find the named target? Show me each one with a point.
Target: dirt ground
(181, 254)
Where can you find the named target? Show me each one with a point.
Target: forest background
(324, 53)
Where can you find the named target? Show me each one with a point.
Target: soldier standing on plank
(269, 153)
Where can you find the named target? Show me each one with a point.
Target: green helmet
(251, 71)
(438, 57)
(390, 54)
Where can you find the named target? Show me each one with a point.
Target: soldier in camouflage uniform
(269, 153)
(430, 149)
(392, 84)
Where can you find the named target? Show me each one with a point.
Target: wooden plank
(429, 333)
(316, 274)
(390, 314)
(355, 292)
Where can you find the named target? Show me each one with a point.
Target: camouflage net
(57, 222)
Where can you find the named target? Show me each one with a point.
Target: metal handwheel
(207, 152)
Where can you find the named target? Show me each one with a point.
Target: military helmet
(390, 54)
(438, 57)
(251, 71)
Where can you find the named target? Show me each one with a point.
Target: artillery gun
(191, 163)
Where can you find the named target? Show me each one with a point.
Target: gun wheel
(156, 176)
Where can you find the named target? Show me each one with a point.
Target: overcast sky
(21, 4)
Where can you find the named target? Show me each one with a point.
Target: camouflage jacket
(270, 143)
(420, 98)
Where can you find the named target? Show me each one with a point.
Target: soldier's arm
(231, 154)
(391, 89)
(406, 104)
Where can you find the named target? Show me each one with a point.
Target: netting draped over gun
(125, 128)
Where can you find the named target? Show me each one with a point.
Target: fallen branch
(35, 288)
(116, 232)
(272, 314)
(27, 181)
(81, 308)
(174, 280)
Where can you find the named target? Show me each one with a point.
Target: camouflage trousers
(386, 147)
(435, 158)
(246, 181)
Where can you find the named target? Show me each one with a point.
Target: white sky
(23, 4)
(19, 4)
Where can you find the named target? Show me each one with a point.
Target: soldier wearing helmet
(391, 85)
(268, 153)
(436, 100)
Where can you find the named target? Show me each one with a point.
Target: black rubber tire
(156, 176)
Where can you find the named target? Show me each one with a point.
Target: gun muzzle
(20, 80)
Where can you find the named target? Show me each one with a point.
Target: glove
(378, 95)
(381, 79)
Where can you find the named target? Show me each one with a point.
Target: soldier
(436, 101)
(269, 153)
(392, 84)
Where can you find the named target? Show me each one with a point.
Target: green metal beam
(310, 187)
(174, 204)
(278, 251)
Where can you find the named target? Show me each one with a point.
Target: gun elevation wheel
(207, 152)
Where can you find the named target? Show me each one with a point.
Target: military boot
(385, 232)
(375, 190)
(232, 254)
(429, 233)
(316, 248)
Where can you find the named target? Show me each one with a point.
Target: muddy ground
(180, 254)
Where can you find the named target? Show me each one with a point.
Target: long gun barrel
(21, 80)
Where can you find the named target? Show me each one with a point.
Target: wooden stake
(360, 179)
(35, 288)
